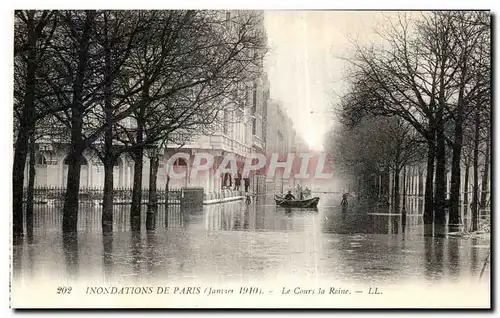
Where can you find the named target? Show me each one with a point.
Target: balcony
(218, 142)
(226, 143)
(257, 142)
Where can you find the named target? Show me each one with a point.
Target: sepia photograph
(251, 159)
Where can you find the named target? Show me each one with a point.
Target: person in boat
(289, 196)
(307, 192)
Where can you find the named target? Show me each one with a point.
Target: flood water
(235, 242)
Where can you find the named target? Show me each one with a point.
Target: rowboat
(308, 203)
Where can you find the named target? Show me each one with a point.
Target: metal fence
(49, 218)
(55, 195)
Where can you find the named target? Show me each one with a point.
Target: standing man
(237, 181)
(247, 183)
(344, 199)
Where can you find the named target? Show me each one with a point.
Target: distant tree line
(422, 95)
(124, 82)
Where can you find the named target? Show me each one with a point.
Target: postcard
(251, 159)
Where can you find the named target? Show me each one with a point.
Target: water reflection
(136, 250)
(236, 216)
(71, 254)
(473, 256)
(18, 261)
(433, 258)
(107, 258)
(48, 218)
(237, 241)
(403, 229)
(454, 257)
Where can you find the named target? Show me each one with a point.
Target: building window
(254, 97)
(225, 124)
(264, 106)
(281, 143)
(264, 130)
(180, 162)
(83, 161)
(228, 16)
(41, 160)
(254, 128)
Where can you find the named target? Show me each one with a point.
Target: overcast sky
(303, 64)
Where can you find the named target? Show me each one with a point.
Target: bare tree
(33, 33)
(116, 35)
(81, 81)
(471, 31)
(404, 147)
(379, 144)
(414, 76)
(200, 68)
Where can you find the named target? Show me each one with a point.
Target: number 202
(64, 290)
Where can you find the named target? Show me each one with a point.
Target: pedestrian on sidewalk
(227, 181)
(237, 181)
(247, 183)
(344, 199)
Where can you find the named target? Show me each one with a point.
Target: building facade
(241, 132)
(281, 138)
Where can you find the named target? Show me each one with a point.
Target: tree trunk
(70, 209)
(391, 189)
(454, 222)
(420, 183)
(26, 125)
(429, 183)
(31, 185)
(466, 190)
(475, 164)
(153, 197)
(440, 181)
(485, 179)
(107, 199)
(413, 181)
(20, 155)
(396, 190)
(138, 155)
(71, 199)
(404, 188)
(167, 187)
(109, 158)
(135, 208)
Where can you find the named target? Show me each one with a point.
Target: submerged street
(232, 242)
(148, 147)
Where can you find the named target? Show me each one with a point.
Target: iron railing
(53, 195)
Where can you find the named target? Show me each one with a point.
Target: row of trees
(116, 82)
(430, 79)
(373, 148)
